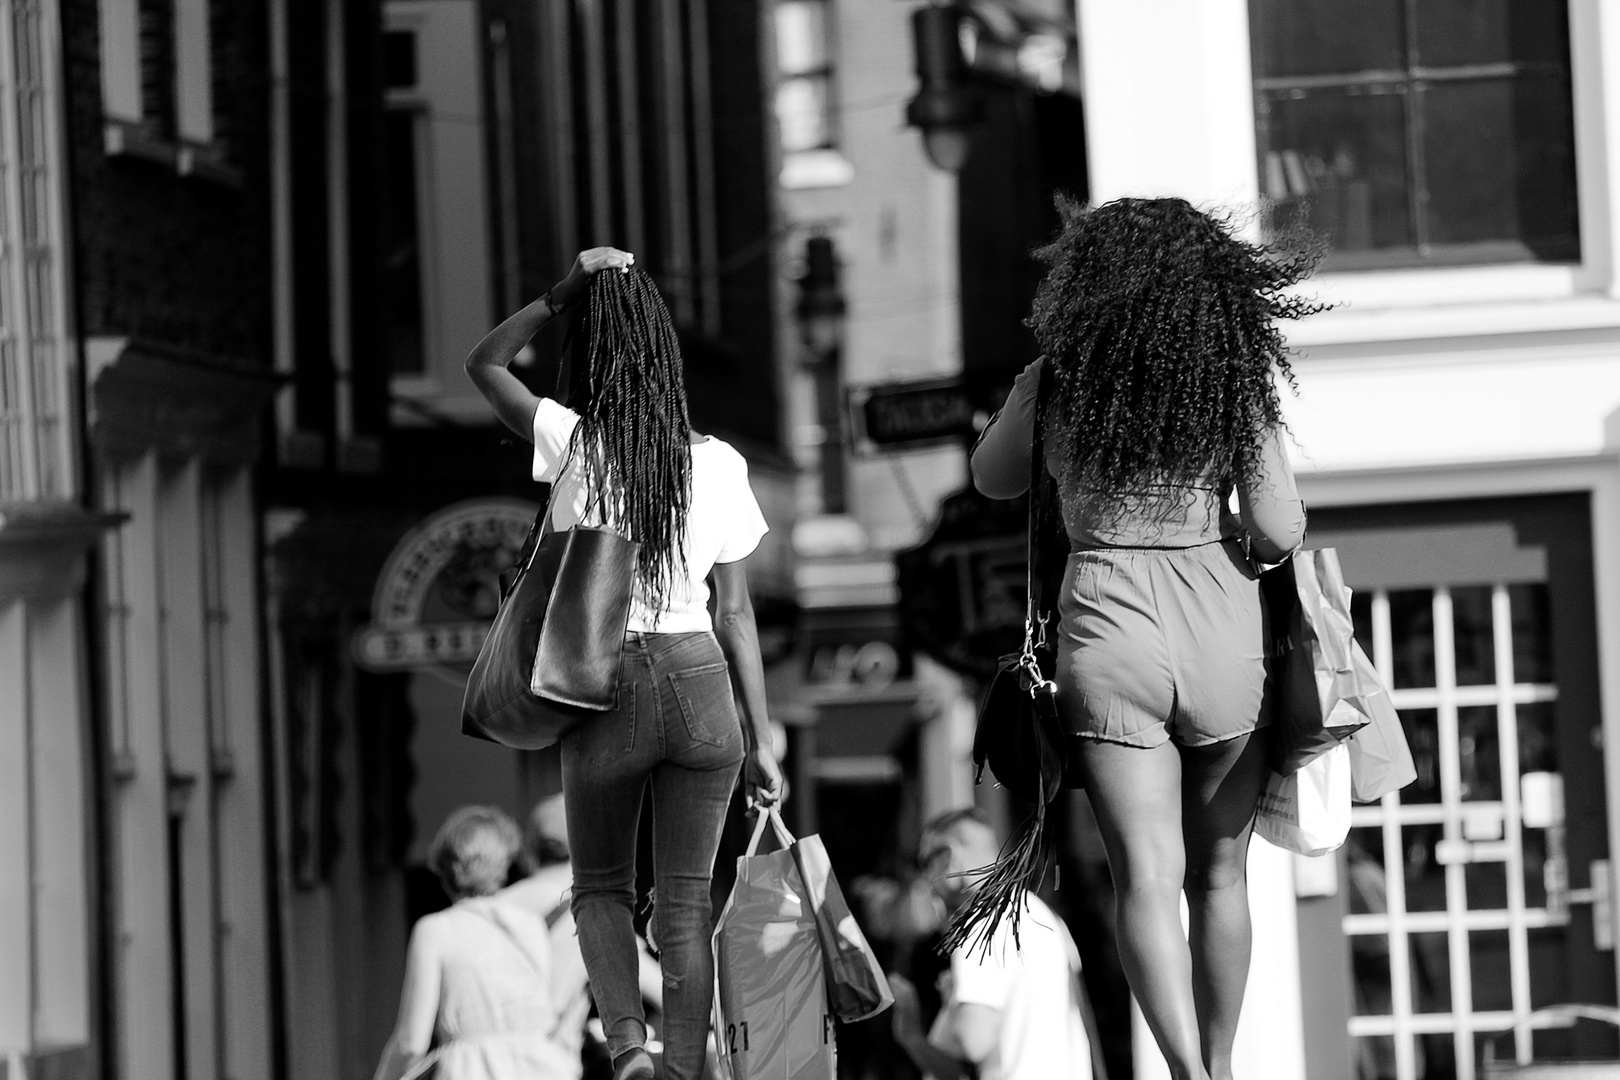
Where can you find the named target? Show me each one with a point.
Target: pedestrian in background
(547, 892)
(622, 452)
(1010, 1010)
(1161, 352)
(477, 1003)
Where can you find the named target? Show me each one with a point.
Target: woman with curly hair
(622, 452)
(1158, 399)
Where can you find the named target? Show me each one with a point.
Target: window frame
(1407, 84)
(128, 130)
(823, 165)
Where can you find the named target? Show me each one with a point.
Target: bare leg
(1136, 793)
(1219, 787)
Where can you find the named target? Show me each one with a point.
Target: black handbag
(560, 630)
(1018, 734)
(1020, 737)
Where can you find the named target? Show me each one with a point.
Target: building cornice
(42, 547)
(146, 396)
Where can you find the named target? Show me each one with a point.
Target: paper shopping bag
(1308, 811)
(1317, 692)
(856, 985)
(771, 1017)
(1380, 759)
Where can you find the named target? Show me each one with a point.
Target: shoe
(633, 1064)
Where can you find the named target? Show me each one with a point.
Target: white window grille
(1458, 923)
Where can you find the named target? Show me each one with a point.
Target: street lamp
(947, 103)
(821, 310)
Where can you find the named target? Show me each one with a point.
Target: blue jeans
(676, 726)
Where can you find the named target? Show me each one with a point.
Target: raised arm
(1000, 459)
(488, 363)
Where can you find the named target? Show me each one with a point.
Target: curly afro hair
(1158, 325)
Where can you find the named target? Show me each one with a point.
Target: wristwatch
(551, 302)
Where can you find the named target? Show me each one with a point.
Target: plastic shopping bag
(1308, 811)
(770, 1001)
(1321, 697)
(856, 985)
(1380, 759)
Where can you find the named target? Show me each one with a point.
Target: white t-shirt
(1032, 987)
(723, 525)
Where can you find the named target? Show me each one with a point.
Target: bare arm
(1000, 459)
(1273, 513)
(975, 1028)
(488, 363)
(418, 1006)
(738, 634)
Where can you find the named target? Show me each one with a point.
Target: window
(403, 265)
(160, 84)
(804, 110)
(1415, 134)
(806, 99)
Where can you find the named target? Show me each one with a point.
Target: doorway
(1478, 893)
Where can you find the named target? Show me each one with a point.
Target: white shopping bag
(1308, 811)
(771, 1016)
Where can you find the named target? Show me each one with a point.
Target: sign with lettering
(439, 590)
(914, 413)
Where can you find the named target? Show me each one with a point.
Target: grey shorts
(1162, 643)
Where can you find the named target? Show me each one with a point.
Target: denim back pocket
(607, 737)
(704, 696)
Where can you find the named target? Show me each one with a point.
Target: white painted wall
(894, 225)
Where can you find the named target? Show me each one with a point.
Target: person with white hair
(477, 999)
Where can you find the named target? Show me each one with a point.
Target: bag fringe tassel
(1019, 869)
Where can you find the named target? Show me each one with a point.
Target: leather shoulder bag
(551, 660)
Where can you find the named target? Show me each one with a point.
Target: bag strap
(1034, 615)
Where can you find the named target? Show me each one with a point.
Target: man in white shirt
(1013, 1011)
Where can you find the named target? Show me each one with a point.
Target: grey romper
(1161, 633)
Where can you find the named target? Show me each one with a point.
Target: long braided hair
(1159, 328)
(634, 436)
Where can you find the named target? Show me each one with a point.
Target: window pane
(801, 113)
(1364, 872)
(1491, 972)
(801, 36)
(1499, 163)
(1315, 37)
(1486, 31)
(1425, 877)
(403, 267)
(1431, 972)
(1532, 634)
(1342, 155)
(1474, 642)
(1411, 631)
(399, 59)
(1479, 753)
(1423, 736)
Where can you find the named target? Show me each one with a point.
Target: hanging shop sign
(912, 414)
(439, 590)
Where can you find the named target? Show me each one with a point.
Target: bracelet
(556, 308)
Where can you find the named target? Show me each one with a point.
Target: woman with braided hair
(623, 453)
(1159, 404)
